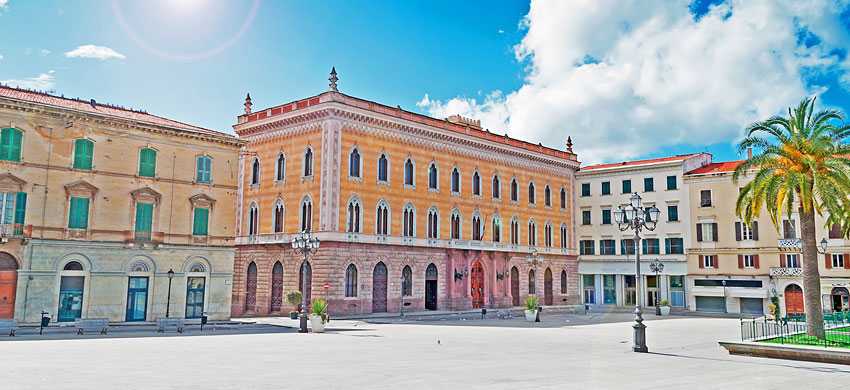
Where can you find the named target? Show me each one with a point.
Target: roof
(635, 163)
(92, 107)
(399, 113)
(718, 167)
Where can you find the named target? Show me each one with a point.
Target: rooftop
(636, 163)
(718, 167)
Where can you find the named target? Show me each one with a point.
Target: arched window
(406, 281)
(280, 167)
(531, 193)
(277, 217)
(564, 282)
(432, 177)
(255, 172)
(563, 198)
(10, 144)
(383, 168)
(433, 223)
(547, 234)
(308, 162)
(409, 222)
(409, 179)
(532, 233)
(382, 218)
(83, 153)
(306, 214)
(354, 163)
(547, 196)
(354, 216)
(73, 266)
(456, 224)
(251, 288)
(497, 229)
(497, 187)
(476, 226)
(476, 183)
(532, 288)
(455, 180)
(563, 236)
(514, 191)
(253, 219)
(514, 231)
(351, 281)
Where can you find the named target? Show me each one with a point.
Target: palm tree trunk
(811, 275)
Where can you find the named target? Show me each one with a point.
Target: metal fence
(792, 330)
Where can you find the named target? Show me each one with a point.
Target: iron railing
(792, 330)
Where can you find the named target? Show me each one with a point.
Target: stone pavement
(412, 355)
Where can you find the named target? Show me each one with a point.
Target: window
(709, 261)
(455, 181)
(705, 198)
(707, 232)
(671, 183)
(408, 222)
(497, 229)
(531, 199)
(607, 247)
(203, 169)
(585, 217)
(837, 260)
(563, 198)
(277, 217)
(83, 153)
(253, 219)
(476, 184)
(651, 246)
(547, 196)
(606, 188)
(144, 220)
(748, 261)
(564, 236)
(531, 285)
(353, 225)
(13, 209)
(306, 215)
(648, 184)
(497, 188)
(745, 232)
(409, 179)
(383, 168)
(627, 246)
(382, 219)
(147, 162)
(514, 231)
(514, 191)
(280, 167)
(433, 224)
(674, 246)
(627, 186)
(455, 225)
(351, 281)
(476, 227)
(432, 176)
(606, 216)
(406, 281)
(78, 217)
(672, 213)
(200, 222)
(563, 282)
(255, 172)
(10, 144)
(791, 260)
(835, 231)
(308, 162)
(586, 247)
(789, 230)
(585, 189)
(547, 235)
(532, 234)
(354, 163)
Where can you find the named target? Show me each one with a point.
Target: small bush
(294, 298)
(532, 302)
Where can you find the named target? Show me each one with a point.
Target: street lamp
(168, 300)
(635, 216)
(304, 244)
(657, 267)
(824, 244)
(534, 260)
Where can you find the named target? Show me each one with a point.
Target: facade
(606, 255)
(735, 268)
(101, 202)
(411, 211)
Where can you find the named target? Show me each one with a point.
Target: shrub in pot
(319, 315)
(665, 307)
(294, 298)
(531, 307)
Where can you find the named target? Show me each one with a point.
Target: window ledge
(383, 183)
(356, 179)
(410, 186)
(307, 178)
(435, 190)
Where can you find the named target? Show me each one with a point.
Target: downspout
(43, 219)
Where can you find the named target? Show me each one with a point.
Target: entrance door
(651, 290)
(431, 287)
(195, 297)
(477, 285)
(515, 286)
(547, 287)
(793, 299)
(70, 298)
(251, 288)
(379, 288)
(8, 285)
(840, 298)
(277, 288)
(137, 298)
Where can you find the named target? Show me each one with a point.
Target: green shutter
(83, 151)
(144, 217)
(147, 162)
(200, 227)
(79, 218)
(20, 208)
(203, 169)
(10, 144)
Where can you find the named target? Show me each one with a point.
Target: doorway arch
(431, 287)
(476, 285)
(515, 286)
(306, 270)
(277, 288)
(840, 297)
(793, 299)
(547, 287)
(251, 289)
(8, 285)
(379, 288)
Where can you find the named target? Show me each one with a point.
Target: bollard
(203, 321)
(45, 320)
(483, 313)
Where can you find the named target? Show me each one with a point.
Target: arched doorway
(476, 284)
(251, 289)
(547, 287)
(308, 270)
(8, 285)
(277, 288)
(431, 287)
(379, 288)
(71, 285)
(515, 286)
(793, 299)
(840, 298)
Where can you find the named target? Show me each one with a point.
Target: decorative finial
(333, 79)
(248, 104)
(569, 144)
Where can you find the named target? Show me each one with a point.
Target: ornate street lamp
(304, 244)
(824, 245)
(657, 267)
(636, 217)
(168, 300)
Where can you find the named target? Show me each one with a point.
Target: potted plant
(319, 315)
(531, 306)
(665, 307)
(294, 299)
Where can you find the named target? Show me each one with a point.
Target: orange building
(410, 210)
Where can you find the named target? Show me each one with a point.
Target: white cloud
(44, 52)
(3, 4)
(41, 82)
(625, 78)
(96, 52)
(1, 57)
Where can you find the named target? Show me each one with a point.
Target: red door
(379, 288)
(793, 299)
(8, 285)
(477, 285)
(515, 286)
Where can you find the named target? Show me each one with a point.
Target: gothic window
(409, 178)
(532, 288)
(455, 225)
(547, 233)
(382, 218)
(432, 177)
(455, 181)
(277, 218)
(253, 219)
(306, 214)
(497, 229)
(383, 168)
(308, 162)
(531, 193)
(408, 224)
(407, 281)
(514, 191)
(351, 281)
(563, 198)
(433, 223)
(547, 196)
(255, 172)
(497, 188)
(354, 216)
(476, 227)
(532, 233)
(354, 163)
(476, 184)
(563, 236)
(514, 231)
(280, 167)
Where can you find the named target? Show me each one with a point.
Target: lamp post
(824, 245)
(635, 216)
(534, 260)
(657, 267)
(168, 300)
(304, 244)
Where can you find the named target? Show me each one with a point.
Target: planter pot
(530, 315)
(665, 310)
(317, 324)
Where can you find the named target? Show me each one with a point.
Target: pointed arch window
(532, 233)
(432, 177)
(497, 187)
(514, 191)
(547, 196)
(455, 230)
(255, 172)
(547, 235)
(455, 181)
(383, 168)
(409, 179)
(497, 229)
(280, 167)
(531, 199)
(514, 231)
(253, 219)
(277, 217)
(351, 281)
(308, 162)
(433, 224)
(382, 219)
(354, 163)
(476, 227)
(564, 236)
(532, 288)
(563, 281)
(476, 184)
(407, 281)
(409, 222)
(306, 215)
(563, 198)
(354, 216)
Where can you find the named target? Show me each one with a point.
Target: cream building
(606, 255)
(736, 268)
(99, 203)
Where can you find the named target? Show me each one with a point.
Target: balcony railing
(790, 243)
(785, 271)
(11, 230)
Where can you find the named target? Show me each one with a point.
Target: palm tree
(802, 161)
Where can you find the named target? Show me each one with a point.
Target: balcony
(785, 272)
(11, 230)
(790, 243)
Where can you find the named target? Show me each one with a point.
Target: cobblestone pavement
(414, 354)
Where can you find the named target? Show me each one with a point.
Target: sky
(625, 79)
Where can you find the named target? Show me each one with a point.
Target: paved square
(414, 354)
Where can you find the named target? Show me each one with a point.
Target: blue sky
(194, 60)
